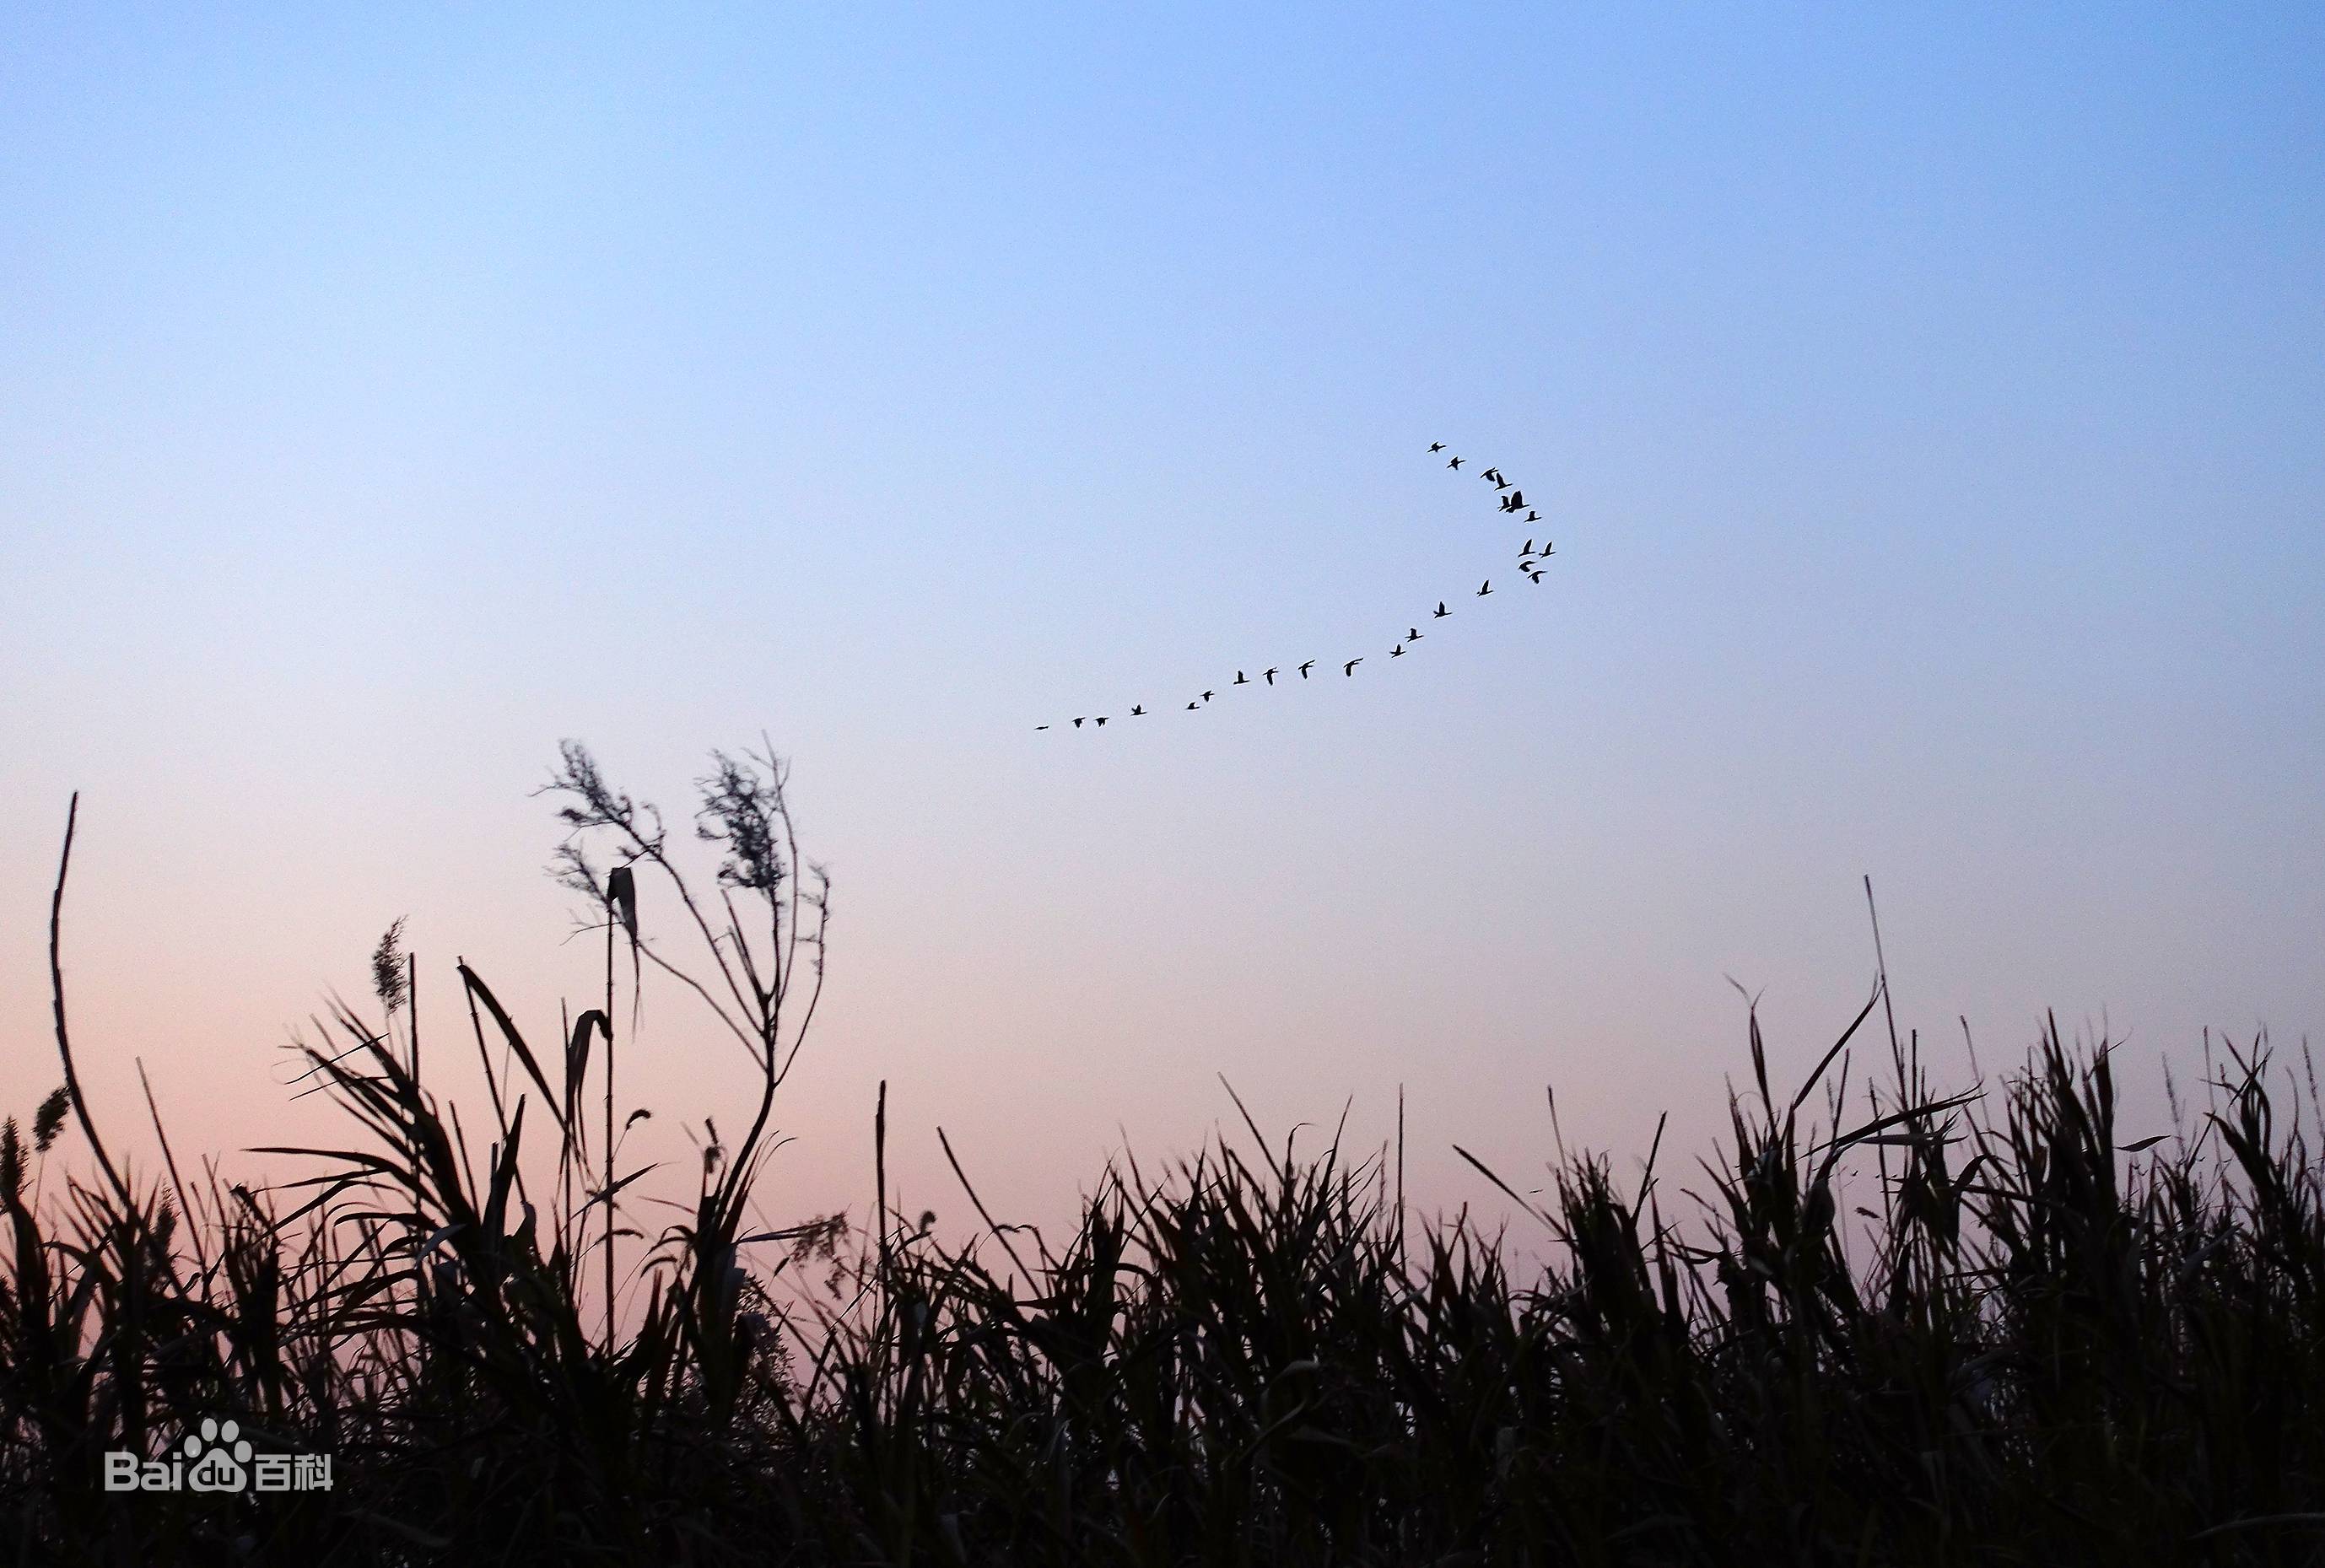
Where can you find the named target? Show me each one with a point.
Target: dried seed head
(49, 1120)
(389, 981)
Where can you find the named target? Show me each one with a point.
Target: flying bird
(1530, 563)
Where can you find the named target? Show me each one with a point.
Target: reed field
(1907, 1323)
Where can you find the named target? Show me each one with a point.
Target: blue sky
(1929, 407)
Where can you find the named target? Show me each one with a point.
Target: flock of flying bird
(1510, 500)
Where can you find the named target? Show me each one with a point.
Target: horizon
(1927, 413)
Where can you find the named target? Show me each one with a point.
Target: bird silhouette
(1531, 562)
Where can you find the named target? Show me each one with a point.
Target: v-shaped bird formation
(1509, 499)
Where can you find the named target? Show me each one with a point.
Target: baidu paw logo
(220, 1468)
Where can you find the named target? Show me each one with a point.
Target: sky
(1928, 404)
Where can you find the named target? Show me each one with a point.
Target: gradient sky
(1930, 404)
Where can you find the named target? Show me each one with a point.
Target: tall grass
(1946, 1328)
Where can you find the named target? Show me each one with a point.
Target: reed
(1937, 1329)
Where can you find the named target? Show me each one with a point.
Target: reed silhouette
(2040, 1346)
